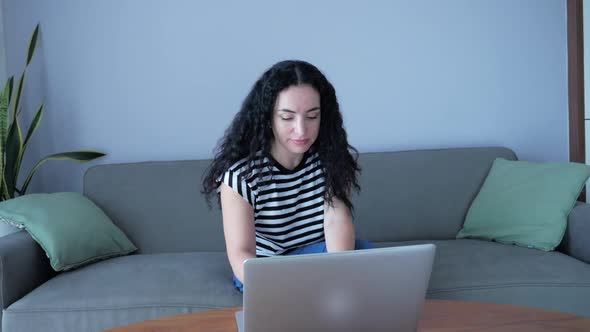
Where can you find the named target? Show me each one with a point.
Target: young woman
(284, 171)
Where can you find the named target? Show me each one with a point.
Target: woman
(284, 172)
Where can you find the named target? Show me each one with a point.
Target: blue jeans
(314, 248)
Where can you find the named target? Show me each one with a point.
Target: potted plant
(12, 143)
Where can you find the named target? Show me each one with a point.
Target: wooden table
(438, 316)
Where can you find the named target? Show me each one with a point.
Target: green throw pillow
(525, 203)
(71, 229)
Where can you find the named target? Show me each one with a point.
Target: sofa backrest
(420, 194)
(408, 195)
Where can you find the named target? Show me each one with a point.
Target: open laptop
(364, 290)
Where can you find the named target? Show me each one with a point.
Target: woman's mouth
(300, 141)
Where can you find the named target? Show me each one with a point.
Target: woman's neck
(285, 158)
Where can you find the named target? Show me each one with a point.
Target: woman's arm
(338, 228)
(238, 228)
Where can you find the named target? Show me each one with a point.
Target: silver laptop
(364, 290)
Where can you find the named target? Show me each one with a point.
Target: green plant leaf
(4, 195)
(14, 146)
(2, 186)
(32, 44)
(79, 156)
(6, 95)
(4, 105)
(19, 91)
(5, 99)
(34, 124)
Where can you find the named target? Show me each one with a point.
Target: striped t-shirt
(289, 208)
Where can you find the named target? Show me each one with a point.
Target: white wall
(154, 80)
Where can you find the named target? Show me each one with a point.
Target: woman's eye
(286, 119)
(312, 117)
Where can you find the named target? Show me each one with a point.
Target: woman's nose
(300, 127)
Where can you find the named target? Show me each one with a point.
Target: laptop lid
(365, 290)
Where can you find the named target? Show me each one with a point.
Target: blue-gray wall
(160, 80)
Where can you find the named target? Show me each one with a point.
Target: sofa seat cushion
(126, 289)
(485, 271)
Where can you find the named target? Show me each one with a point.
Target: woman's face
(296, 120)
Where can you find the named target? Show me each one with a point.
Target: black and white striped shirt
(288, 208)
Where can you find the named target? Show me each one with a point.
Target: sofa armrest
(576, 241)
(23, 267)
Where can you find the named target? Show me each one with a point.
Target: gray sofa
(407, 197)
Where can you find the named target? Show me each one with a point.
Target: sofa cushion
(125, 290)
(525, 203)
(493, 272)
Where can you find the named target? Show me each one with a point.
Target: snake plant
(12, 143)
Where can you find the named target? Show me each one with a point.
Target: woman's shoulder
(239, 174)
(242, 165)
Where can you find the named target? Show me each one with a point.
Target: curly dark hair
(250, 131)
